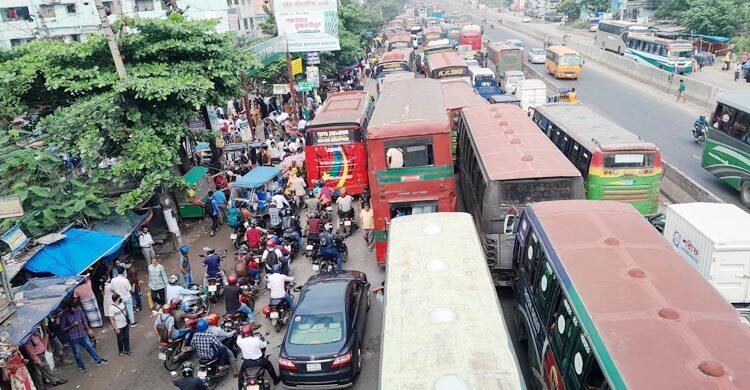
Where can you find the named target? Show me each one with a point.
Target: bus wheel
(745, 193)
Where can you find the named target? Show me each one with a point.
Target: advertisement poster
(310, 25)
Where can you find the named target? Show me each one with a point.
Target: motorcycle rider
(279, 200)
(180, 314)
(328, 246)
(294, 231)
(253, 235)
(232, 300)
(344, 203)
(253, 349)
(325, 196)
(312, 203)
(212, 262)
(174, 290)
(277, 284)
(699, 124)
(275, 219)
(209, 347)
(222, 335)
(314, 224)
(188, 381)
(273, 257)
(164, 319)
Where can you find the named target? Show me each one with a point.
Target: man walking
(212, 209)
(119, 321)
(74, 323)
(681, 91)
(221, 201)
(146, 243)
(185, 271)
(122, 288)
(157, 282)
(368, 225)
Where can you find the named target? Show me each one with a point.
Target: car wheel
(359, 360)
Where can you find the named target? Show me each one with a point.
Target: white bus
(672, 55)
(443, 327)
(609, 35)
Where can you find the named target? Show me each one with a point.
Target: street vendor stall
(255, 189)
(188, 201)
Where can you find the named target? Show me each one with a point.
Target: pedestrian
(157, 282)
(120, 325)
(368, 225)
(221, 201)
(185, 271)
(85, 294)
(681, 91)
(76, 327)
(136, 284)
(122, 288)
(737, 71)
(41, 372)
(727, 61)
(107, 296)
(146, 243)
(212, 209)
(265, 156)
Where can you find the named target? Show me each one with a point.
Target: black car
(323, 345)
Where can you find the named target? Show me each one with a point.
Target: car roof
(323, 296)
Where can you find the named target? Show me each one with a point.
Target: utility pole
(290, 76)
(113, 47)
(42, 22)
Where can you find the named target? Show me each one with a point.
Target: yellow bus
(563, 62)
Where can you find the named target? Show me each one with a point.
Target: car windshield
(537, 52)
(317, 329)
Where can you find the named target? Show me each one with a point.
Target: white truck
(715, 239)
(531, 93)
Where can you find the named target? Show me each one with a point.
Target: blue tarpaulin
(257, 177)
(76, 252)
(120, 225)
(40, 297)
(713, 38)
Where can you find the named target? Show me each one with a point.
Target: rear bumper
(338, 379)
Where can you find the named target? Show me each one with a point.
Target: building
(22, 21)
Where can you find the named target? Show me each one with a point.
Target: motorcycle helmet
(276, 268)
(253, 223)
(166, 308)
(213, 319)
(329, 227)
(246, 330)
(210, 250)
(187, 369)
(176, 303)
(173, 279)
(184, 249)
(312, 215)
(271, 244)
(232, 279)
(703, 117)
(201, 326)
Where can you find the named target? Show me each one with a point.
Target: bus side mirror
(510, 221)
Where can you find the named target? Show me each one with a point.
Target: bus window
(564, 329)
(577, 373)
(547, 286)
(629, 160)
(575, 152)
(401, 209)
(531, 260)
(409, 153)
(583, 163)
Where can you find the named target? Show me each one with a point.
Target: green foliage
(51, 196)
(268, 26)
(741, 44)
(570, 9)
(175, 67)
(593, 6)
(711, 17)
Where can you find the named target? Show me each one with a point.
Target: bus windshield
(629, 160)
(392, 67)
(570, 60)
(681, 53)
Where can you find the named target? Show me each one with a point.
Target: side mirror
(510, 221)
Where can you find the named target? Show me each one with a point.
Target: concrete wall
(697, 92)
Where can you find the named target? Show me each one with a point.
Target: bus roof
(651, 38)
(625, 23)
(562, 50)
(511, 146)
(399, 37)
(737, 99)
(341, 109)
(471, 28)
(433, 29)
(591, 129)
(417, 103)
(445, 59)
(398, 55)
(654, 317)
(441, 298)
(501, 46)
(458, 94)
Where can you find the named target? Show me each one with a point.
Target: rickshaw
(256, 189)
(564, 95)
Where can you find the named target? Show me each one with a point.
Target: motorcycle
(214, 287)
(346, 223)
(699, 132)
(312, 248)
(255, 378)
(209, 373)
(171, 352)
(196, 303)
(323, 262)
(238, 235)
(325, 214)
(232, 323)
(278, 310)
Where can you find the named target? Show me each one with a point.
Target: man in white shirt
(344, 203)
(277, 283)
(146, 243)
(122, 287)
(395, 158)
(252, 353)
(176, 291)
(279, 200)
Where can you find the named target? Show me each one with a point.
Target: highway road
(652, 115)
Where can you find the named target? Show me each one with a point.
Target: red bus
(335, 148)
(409, 155)
(471, 35)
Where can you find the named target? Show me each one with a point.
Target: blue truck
(484, 82)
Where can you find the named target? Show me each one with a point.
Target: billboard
(310, 25)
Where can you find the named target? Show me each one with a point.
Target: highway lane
(652, 115)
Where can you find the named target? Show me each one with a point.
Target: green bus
(615, 163)
(727, 151)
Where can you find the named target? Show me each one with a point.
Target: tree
(175, 68)
(268, 26)
(570, 9)
(594, 6)
(741, 45)
(711, 17)
(669, 9)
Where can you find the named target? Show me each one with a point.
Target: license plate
(202, 374)
(627, 182)
(314, 367)
(309, 247)
(233, 237)
(329, 208)
(274, 314)
(347, 223)
(253, 387)
(212, 288)
(162, 356)
(316, 267)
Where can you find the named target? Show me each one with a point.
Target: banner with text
(309, 25)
